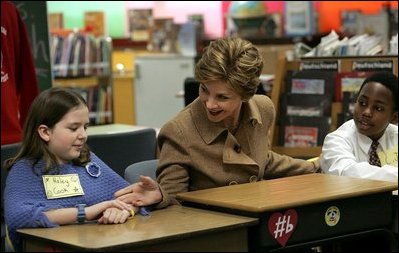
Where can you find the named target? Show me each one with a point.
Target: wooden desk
(175, 228)
(303, 202)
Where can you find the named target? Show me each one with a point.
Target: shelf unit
(83, 62)
(345, 64)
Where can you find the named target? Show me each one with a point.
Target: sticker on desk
(389, 157)
(332, 216)
(281, 226)
(61, 186)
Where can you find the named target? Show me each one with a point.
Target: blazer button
(233, 183)
(253, 179)
(237, 148)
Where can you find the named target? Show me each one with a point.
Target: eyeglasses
(93, 169)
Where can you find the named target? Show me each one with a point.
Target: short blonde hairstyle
(232, 60)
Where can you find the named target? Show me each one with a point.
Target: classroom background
(134, 61)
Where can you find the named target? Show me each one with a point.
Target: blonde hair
(232, 60)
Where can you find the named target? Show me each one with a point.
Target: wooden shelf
(83, 82)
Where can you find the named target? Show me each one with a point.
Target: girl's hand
(114, 215)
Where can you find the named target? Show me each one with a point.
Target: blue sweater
(25, 199)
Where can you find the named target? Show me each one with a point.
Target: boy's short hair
(389, 80)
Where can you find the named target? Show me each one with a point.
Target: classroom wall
(73, 12)
(213, 11)
(328, 11)
(116, 13)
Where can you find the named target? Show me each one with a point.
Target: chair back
(7, 151)
(119, 150)
(145, 168)
(191, 87)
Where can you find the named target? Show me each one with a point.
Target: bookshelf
(344, 65)
(83, 62)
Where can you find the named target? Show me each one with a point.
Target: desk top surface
(161, 225)
(287, 192)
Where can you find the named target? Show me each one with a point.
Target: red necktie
(373, 157)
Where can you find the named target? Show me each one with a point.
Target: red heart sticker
(281, 226)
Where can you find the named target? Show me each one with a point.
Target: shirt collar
(365, 142)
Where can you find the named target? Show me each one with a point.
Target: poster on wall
(299, 18)
(140, 23)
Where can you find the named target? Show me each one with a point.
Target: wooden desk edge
(37, 234)
(201, 197)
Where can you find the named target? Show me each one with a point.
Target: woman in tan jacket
(221, 138)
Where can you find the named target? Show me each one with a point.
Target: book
(94, 22)
(311, 82)
(187, 39)
(296, 131)
(139, 23)
(308, 105)
(55, 21)
(349, 82)
(348, 105)
(299, 18)
(300, 136)
(307, 86)
(161, 27)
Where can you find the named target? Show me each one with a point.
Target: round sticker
(332, 216)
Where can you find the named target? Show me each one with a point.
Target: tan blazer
(196, 153)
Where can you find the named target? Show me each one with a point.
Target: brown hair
(48, 109)
(232, 60)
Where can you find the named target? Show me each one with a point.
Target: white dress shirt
(345, 152)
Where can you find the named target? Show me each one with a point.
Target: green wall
(73, 11)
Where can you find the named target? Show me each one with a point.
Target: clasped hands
(129, 199)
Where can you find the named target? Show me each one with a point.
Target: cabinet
(123, 91)
(83, 62)
(159, 80)
(344, 65)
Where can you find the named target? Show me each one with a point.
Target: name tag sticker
(389, 157)
(61, 186)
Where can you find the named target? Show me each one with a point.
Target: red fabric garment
(18, 80)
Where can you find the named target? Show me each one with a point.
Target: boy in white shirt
(346, 151)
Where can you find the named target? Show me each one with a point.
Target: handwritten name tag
(389, 157)
(61, 186)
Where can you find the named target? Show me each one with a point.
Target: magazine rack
(347, 67)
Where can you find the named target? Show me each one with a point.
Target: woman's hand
(143, 193)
